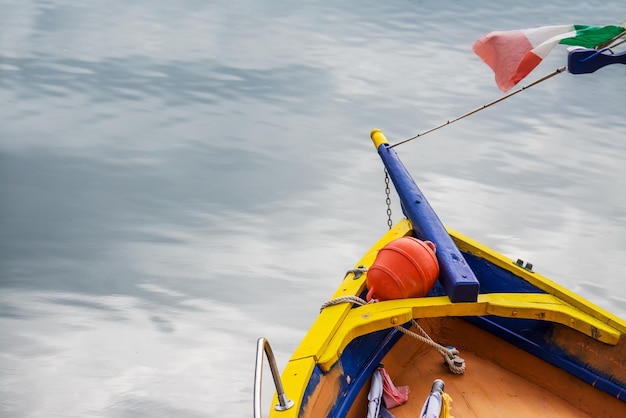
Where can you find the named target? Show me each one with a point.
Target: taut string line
(478, 109)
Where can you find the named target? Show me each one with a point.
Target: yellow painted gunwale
(297, 372)
(467, 244)
(545, 307)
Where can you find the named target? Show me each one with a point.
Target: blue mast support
(455, 274)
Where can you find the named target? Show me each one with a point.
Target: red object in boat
(404, 268)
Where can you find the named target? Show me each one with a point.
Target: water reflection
(124, 365)
(177, 180)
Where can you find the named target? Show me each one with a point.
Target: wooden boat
(522, 345)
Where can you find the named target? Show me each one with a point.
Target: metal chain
(388, 200)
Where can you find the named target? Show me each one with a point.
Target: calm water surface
(180, 178)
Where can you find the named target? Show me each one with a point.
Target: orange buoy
(404, 268)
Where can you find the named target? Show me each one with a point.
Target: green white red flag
(512, 55)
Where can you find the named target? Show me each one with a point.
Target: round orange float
(404, 268)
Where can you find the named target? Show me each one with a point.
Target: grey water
(180, 178)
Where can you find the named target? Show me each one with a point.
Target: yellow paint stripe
(467, 244)
(383, 315)
(295, 379)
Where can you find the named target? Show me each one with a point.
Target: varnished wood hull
(501, 379)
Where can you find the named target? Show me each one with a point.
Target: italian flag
(512, 55)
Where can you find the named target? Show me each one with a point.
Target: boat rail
(263, 347)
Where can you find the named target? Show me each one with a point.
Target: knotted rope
(450, 354)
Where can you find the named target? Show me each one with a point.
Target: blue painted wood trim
(360, 371)
(455, 274)
(358, 361)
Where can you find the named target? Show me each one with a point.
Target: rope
(483, 107)
(450, 354)
(343, 299)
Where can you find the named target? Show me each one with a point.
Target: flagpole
(478, 109)
(608, 43)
